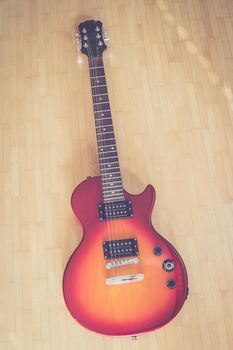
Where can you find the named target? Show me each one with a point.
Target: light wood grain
(170, 78)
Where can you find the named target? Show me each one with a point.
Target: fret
(115, 184)
(112, 196)
(104, 122)
(108, 183)
(105, 169)
(99, 95)
(98, 103)
(106, 136)
(113, 190)
(117, 187)
(105, 106)
(103, 132)
(111, 179)
(96, 67)
(103, 119)
(110, 171)
(108, 160)
(108, 165)
(107, 140)
(115, 181)
(108, 155)
(104, 110)
(117, 192)
(93, 69)
(97, 86)
(115, 199)
(111, 157)
(107, 186)
(98, 76)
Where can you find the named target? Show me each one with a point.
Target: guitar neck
(112, 187)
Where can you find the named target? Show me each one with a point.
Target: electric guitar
(124, 278)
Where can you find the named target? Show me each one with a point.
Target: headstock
(92, 38)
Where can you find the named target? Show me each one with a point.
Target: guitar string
(110, 223)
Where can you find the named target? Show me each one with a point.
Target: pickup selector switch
(169, 265)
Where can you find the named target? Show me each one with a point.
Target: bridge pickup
(115, 210)
(120, 248)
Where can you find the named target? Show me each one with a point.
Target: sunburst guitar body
(124, 278)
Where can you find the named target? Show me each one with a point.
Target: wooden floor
(170, 76)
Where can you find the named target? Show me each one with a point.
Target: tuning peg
(77, 38)
(106, 37)
(78, 41)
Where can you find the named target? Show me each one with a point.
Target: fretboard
(112, 187)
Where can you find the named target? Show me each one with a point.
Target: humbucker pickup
(120, 248)
(115, 210)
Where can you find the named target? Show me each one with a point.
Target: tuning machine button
(106, 38)
(78, 38)
(169, 265)
(157, 250)
(171, 284)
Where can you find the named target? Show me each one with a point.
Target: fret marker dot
(104, 129)
(98, 81)
(112, 147)
(102, 114)
(110, 175)
(109, 165)
(100, 98)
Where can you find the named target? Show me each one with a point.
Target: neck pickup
(115, 210)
